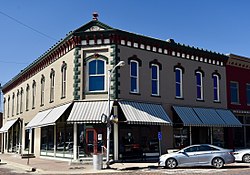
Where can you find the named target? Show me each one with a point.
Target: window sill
(235, 104)
(134, 93)
(179, 98)
(42, 105)
(91, 93)
(200, 100)
(217, 101)
(51, 101)
(156, 96)
(63, 97)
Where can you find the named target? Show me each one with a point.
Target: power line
(35, 30)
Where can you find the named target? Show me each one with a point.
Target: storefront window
(64, 137)
(47, 138)
(218, 136)
(181, 137)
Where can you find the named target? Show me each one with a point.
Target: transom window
(155, 79)
(199, 86)
(216, 88)
(178, 83)
(134, 80)
(96, 71)
(234, 92)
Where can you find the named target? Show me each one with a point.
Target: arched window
(216, 87)
(199, 85)
(134, 76)
(63, 70)
(21, 101)
(17, 102)
(13, 104)
(52, 85)
(8, 107)
(154, 79)
(27, 97)
(96, 75)
(178, 82)
(42, 89)
(33, 94)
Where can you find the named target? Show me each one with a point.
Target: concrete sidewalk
(58, 166)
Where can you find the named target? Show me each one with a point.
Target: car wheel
(218, 162)
(246, 158)
(171, 163)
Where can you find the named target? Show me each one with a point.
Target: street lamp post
(110, 72)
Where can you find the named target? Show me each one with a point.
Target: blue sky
(218, 25)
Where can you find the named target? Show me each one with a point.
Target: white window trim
(200, 86)
(218, 88)
(181, 83)
(137, 77)
(157, 79)
(64, 78)
(104, 74)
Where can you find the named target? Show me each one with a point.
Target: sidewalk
(55, 166)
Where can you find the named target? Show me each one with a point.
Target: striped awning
(144, 113)
(229, 118)
(188, 116)
(89, 111)
(37, 119)
(8, 125)
(207, 117)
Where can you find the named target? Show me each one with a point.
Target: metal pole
(108, 121)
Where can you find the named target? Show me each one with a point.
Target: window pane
(248, 94)
(133, 84)
(92, 67)
(178, 90)
(154, 87)
(216, 97)
(198, 78)
(234, 92)
(215, 81)
(198, 92)
(178, 75)
(100, 67)
(96, 83)
(133, 68)
(154, 72)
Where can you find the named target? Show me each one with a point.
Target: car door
(188, 157)
(205, 154)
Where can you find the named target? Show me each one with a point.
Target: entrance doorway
(94, 140)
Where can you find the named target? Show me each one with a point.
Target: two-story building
(166, 91)
(238, 92)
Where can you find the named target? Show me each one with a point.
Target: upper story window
(21, 101)
(134, 76)
(96, 73)
(178, 82)
(17, 102)
(42, 89)
(63, 70)
(27, 97)
(234, 92)
(52, 85)
(8, 107)
(155, 79)
(4, 107)
(13, 103)
(33, 94)
(199, 85)
(216, 86)
(248, 93)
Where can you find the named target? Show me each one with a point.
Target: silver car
(198, 155)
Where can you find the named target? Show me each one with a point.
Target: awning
(229, 118)
(188, 116)
(144, 113)
(210, 117)
(207, 117)
(38, 118)
(89, 111)
(53, 116)
(8, 125)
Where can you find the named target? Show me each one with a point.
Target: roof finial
(95, 16)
